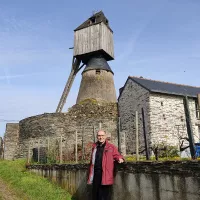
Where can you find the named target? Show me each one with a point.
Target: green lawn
(28, 185)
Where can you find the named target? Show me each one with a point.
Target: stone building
(164, 113)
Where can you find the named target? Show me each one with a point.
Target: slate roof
(166, 87)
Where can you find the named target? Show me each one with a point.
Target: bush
(169, 152)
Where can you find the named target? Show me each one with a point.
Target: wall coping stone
(186, 168)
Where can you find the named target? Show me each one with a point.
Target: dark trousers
(100, 192)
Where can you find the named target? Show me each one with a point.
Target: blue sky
(157, 39)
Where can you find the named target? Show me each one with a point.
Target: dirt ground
(6, 193)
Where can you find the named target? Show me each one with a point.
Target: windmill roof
(98, 18)
(97, 63)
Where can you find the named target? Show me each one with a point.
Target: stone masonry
(133, 99)
(167, 118)
(11, 140)
(97, 86)
(82, 117)
(164, 117)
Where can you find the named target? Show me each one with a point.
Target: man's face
(101, 136)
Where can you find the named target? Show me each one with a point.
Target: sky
(157, 39)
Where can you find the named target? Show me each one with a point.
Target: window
(98, 71)
(182, 119)
(93, 19)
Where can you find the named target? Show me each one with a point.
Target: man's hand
(120, 160)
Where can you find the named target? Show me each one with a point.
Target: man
(101, 167)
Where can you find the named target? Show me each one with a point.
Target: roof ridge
(97, 13)
(164, 82)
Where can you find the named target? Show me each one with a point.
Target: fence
(77, 147)
(62, 149)
(59, 149)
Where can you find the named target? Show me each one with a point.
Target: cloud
(8, 77)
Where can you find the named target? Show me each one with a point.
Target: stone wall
(170, 180)
(167, 117)
(11, 139)
(133, 98)
(81, 117)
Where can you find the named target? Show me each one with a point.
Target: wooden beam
(75, 68)
(76, 147)
(136, 136)
(94, 138)
(61, 152)
(83, 147)
(145, 136)
(119, 134)
(189, 127)
(38, 151)
(198, 100)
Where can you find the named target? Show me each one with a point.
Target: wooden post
(61, 155)
(38, 151)
(67, 152)
(189, 127)
(198, 100)
(48, 149)
(145, 136)
(28, 158)
(119, 134)
(48, 144)
(100, 126)
(76, 148)
(198, 106)
(94, 138)
(136, 136)
(83, 150)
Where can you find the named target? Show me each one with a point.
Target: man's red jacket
(110, 154)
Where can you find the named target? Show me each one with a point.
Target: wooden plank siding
(92, 39)
(107, 40)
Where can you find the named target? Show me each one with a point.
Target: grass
(132, 158)
(28, 185)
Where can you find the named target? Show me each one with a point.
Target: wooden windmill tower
(93, 47)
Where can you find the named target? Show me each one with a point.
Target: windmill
(93, 47)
